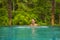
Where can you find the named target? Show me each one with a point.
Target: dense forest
(20, 12)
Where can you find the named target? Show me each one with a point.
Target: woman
(33, 23)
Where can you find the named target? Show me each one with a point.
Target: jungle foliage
(24, 10)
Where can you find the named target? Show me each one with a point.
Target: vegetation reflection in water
(30, 33)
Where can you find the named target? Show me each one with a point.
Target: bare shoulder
(36, 24)
(31, 25)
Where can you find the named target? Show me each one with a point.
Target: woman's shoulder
(34, 25)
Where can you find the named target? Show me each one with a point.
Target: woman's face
(33, 21)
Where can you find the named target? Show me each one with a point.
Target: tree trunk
(53, 12)
(9, 12)
(59, 19)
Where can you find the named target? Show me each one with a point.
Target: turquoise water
(30, 33)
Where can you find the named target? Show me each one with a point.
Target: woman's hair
(34, 19)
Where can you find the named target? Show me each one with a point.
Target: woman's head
(33, 21)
